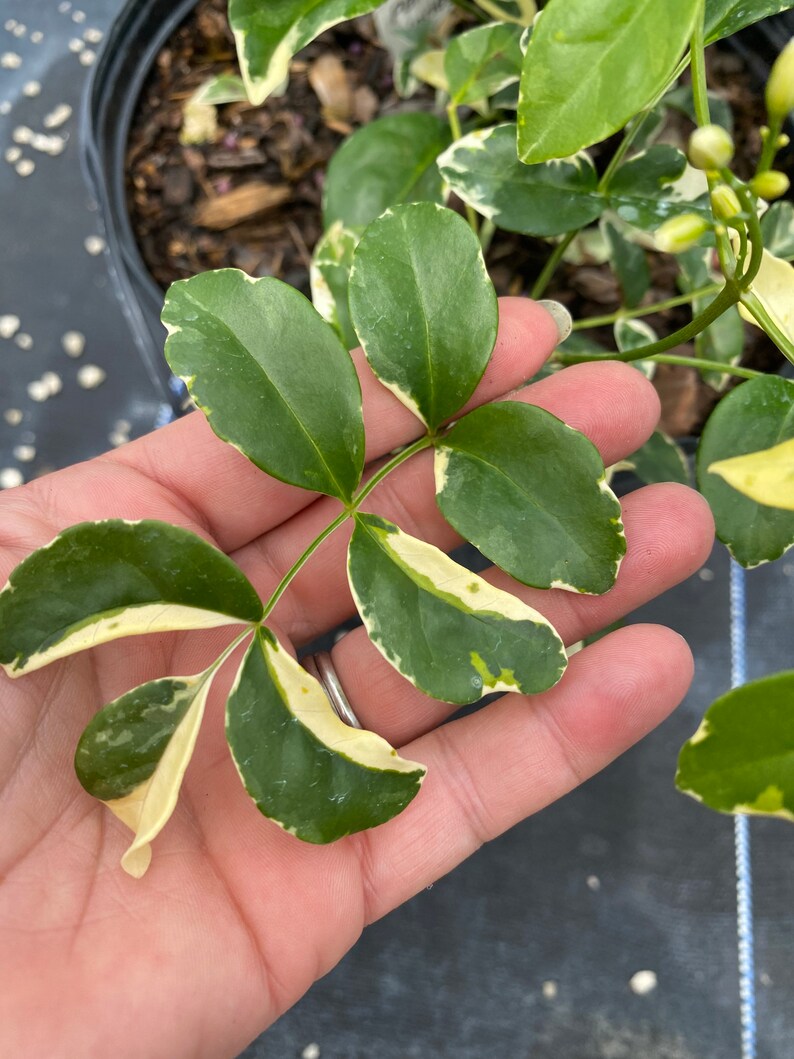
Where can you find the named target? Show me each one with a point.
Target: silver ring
(322, 668)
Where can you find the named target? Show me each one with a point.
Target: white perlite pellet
(25, 453)
(58, 116)
(9, 60)
(36, 36)
(10, 25)
(25, 166)
(5, 107)
(76, 45)
(52, 145)
(93, 35)
(12, 154)
(94, 244)
(10, 477)
(53, 382)
(23, 340)
(13, 416)
(22, 134)
(78, 16)
(311, 1051)
(90, 376)
(31, 89)
(73, 343)
(19, 30)
(643, 982)
(549, 990)
(64, 6)
(9, 325)
(87, 57)
(47, 386)
(593, 883)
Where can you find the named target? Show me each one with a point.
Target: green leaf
(329, 274)
(133, 756)
(304, 768)
(548, 199)
(773, 286)
(449, 632)
(725, 17)
(756, 415)
(722, 341)
(389, 161)
(268, 34)
(482, 61)
(682, 99)
(271, 376)
(424, 308)
(741, 759)
(766, 476)
(629, 265)
(777, 228)
(633, 334)
(659, 460)
(98, 581)
(223, 88)
(591, 66)
(641, 193)
(530, 493)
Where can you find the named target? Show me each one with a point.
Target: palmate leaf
(591, 66)
(271, 376)
(424, 308)
(726, 17)
(741, 759)
(99, 581)
(448, 631)
(133, 756)
(558, 525)
(757, 415)
(304, 768)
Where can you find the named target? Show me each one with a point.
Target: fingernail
(560, 316)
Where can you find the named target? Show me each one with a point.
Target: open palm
(235, 918)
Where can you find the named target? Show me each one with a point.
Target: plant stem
(422, 443)
(647, 310)
(457, 133)
(706, 365)
(551, 265)
(770, 146)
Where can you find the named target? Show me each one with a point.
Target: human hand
(235, 918)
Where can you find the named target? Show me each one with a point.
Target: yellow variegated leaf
(774, 288)
(766, 477)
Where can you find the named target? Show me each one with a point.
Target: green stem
(647, 310)
(487, 231)
(424, 442)
(770, 145)
(551, 265)
(754, 233)
(697, 51)
(706, 365)
(457, 133)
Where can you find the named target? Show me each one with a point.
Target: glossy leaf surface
(725, 17)
(101, 580)
(641, 193)
(659, 460)
(134, 753)
(766, 477)
(329, 275)
(448, 631)
(591, 66)
(773, 285)
(629, 265)
(482, 61)
(389, 161)
(777, 228)
(224, 88)
(741, 759)
(268, 34)
(271, 376)
(723, 340)
(424, 308)
(631, 334)
(558, 523)
(304, 768)
(547, 199)
(756, 415)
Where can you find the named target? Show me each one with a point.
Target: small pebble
(93, 35)
(23, 340)
(549, 990)
(9, 325)
(25, 453)
(76, 45)
(87, 57)
(9, 60)
(94, 244)
(73, 343)
(36, 36)
(58, 116)
(10, 477)
(25, 166)
(643, 982)
(311, 1051)
(593, 883)
(78, 16)
(13, 154)
(13, 416)
(90, 376)
(31, 89)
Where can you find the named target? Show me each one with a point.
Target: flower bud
(780, 86)
(679, 233)
(724, 202)
(770, 185)
(710, 147)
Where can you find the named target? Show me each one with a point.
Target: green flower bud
(679, 233)
(770, 185)
(724, 202)
(780, 86)
(710, 147)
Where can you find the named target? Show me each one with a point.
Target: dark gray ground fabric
(527, 950)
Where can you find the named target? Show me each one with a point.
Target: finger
(488, 771)
(613, 404)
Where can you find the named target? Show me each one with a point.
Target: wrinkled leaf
(629, 265)
(482, 61)
(659, 460)
(741, 759)
(548, 199)
(726, 17)
(133, 756)
(424, 308)
(777, 228)
(766, 477)
(642, 191)
(449, 632)
(591, 66)
(389, 161)
(757, 415)
(98, 581)
(558, 523)
(329, 276)
(268, 34)
(271, 376)
(304, 768)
